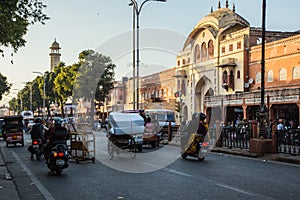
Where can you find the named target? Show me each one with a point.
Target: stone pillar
(274, 140)
(218, 134)
(254, 129)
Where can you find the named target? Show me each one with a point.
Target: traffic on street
(154, 174)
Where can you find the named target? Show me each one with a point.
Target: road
(154, 174)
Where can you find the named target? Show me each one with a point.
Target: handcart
(125, 133)
(82, 146)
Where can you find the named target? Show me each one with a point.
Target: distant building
(54, 55)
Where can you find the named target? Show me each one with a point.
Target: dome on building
(217, 22)
(55, 44)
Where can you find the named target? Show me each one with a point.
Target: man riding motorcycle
(57, 134)
(37, 133)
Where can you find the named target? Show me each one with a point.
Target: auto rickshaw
(13, 130)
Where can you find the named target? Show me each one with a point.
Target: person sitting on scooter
(37, 133)
(202, 128)
(57, 134)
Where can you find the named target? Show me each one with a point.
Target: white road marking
(34, 179)
(234, 189)
(180, 173)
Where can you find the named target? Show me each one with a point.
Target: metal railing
(233, 137)
(288, 141)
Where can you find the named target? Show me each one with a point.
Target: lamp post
(30, 90)
(44, 91)
(263, 110)
(20, 96)
(137, 10)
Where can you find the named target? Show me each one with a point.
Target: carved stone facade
(218, 72)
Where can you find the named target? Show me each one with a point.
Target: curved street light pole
(138, 10)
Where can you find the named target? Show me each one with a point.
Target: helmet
(202, 116)
(195, 116)
(57, 121)
(38, 120)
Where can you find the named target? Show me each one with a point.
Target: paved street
(154, 174)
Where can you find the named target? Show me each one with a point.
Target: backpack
(37, 131)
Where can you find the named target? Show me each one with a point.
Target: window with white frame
(296, 72)
(282, 74)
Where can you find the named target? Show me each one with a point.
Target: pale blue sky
(105, 25)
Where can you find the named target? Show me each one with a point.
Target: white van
(163, 116)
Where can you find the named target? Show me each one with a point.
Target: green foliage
(95, 77)
(4, 85)
(15, 17)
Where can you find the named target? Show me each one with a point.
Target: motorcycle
(196, 147)
(58, 159)
(37, 145)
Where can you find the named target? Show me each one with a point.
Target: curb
(7, 186)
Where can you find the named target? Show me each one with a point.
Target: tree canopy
(15, 17)
(4, 85)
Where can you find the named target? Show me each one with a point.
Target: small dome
(55, 44)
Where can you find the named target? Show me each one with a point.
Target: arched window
(282, 74)
(210, 49)
(258, 77)
(224, 77)
(183, 87)
(238, 74)
(270, 76)
(178, 85)
(197, 53)
(203, 52)
(296, 72)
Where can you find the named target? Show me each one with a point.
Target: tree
(4, 85)
(64, 83)
(15, 17)
(95, 77)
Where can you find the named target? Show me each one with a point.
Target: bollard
(274, 139)
(169, 131)
(254, 129)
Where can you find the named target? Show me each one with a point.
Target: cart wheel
(132, 149)
(184, 155)
(93, 160)
(153, 144)
(77, 161)
(140, 148)
(6, 144)
(110, 150)
(22, 143)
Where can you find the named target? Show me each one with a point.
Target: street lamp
(263, 110)
(44, 91)
(30, 90)
(20, 96)
(137, 9)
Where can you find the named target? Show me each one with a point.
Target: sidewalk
(8, 189)
(287, 158)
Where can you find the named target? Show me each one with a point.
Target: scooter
(196, 147)
(37, 145)
(58, 159)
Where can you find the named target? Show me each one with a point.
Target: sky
(106, 26)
